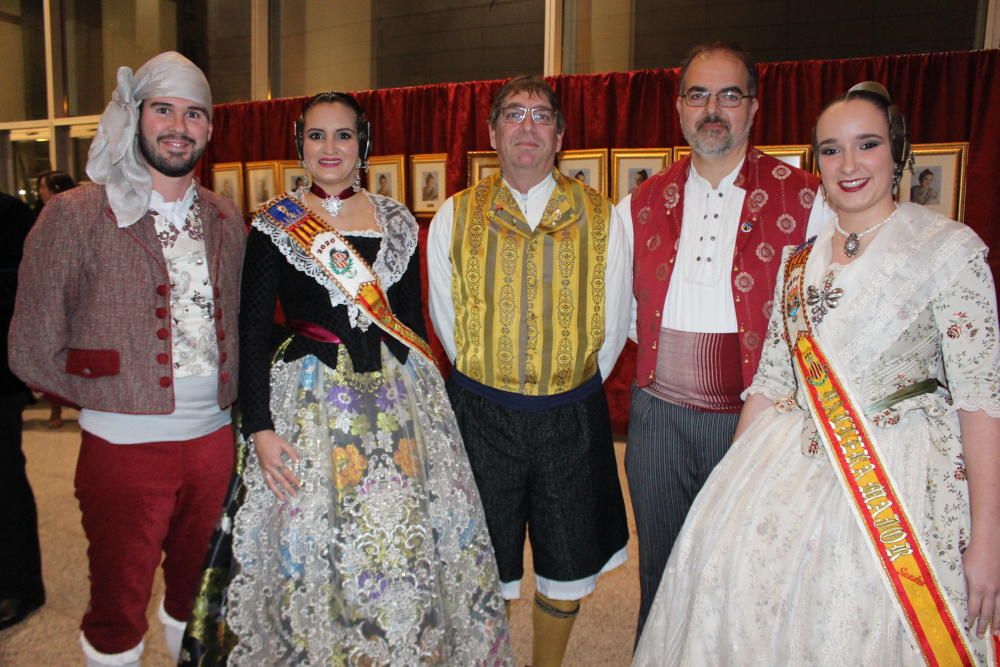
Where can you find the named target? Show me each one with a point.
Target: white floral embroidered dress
(771, 567)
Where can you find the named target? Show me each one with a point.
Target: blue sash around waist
(523, 403)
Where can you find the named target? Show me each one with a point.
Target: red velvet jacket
(775, 214)
(92, 319)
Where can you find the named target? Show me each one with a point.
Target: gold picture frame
(387, 176)
(427, 178)
(480, 165)
(632, 166)
(291, 175)
(227, 182)
(261, 182)
(944, 166)
(796, 155)
(589, 165)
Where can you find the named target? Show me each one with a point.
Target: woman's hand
(981, 562)
(279, 478)
(752, 408)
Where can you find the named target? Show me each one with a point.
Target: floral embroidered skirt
(771, 567)
(383, 557)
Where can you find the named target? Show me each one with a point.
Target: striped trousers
(671, 452)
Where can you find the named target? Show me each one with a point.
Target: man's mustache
(173, 136)
(713, 118)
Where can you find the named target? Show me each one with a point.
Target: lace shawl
(399, 242)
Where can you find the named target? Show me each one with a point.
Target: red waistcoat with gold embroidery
(775, 213)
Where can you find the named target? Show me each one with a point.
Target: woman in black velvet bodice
(362, 538)
(268, 275)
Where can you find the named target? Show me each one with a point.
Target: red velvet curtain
(946, 97)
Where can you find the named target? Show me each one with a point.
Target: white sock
(173, 632)
(95, 658)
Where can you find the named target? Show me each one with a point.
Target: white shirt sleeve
(617, 291)
(819, 216)
(624, 209)
(441, 307)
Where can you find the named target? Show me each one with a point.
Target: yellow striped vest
(529, 306)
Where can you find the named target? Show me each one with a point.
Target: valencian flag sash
(870, 489)
(342, 264)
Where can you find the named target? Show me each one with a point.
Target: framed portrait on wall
(427, 176)
(227, 182)
(631, 166)
(481, 164)
(797, 155)
(589, 166)
(292, 175)
(938, 178)
(387, 176)
(261, 182)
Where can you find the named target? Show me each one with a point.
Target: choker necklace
(852, 242)
(333, 203)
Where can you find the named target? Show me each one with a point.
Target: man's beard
(717, 142)
(166, 164)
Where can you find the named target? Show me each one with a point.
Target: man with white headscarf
(127, 309)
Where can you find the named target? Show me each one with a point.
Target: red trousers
(138, 501)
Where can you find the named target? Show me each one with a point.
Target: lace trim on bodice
(924, 252)
(398, 231)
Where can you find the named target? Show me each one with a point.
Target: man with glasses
(529, 293)
(708, 237)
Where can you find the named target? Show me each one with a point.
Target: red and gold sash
(869, 487)
(342, 264)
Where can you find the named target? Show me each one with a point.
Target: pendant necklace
(852, 242)
(333, 203)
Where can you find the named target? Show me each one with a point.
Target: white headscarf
(114, 159)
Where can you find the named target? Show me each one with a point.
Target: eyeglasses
(724, 98)
(540, 115)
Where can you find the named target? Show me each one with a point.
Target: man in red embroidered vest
(127, 308)
(529, 280)
(708, 233)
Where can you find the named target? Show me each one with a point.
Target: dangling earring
(897, 173)
(307, 178)
(356, 185)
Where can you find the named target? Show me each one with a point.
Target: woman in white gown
(774, 565)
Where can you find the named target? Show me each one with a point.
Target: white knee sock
(173, 631)
(95, 658)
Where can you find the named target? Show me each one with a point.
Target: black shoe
(15, 610)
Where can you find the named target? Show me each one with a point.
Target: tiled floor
(602, 636)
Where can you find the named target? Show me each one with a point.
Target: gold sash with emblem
(342, 264)
(881, 512)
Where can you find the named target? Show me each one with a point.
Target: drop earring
(306, 178)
